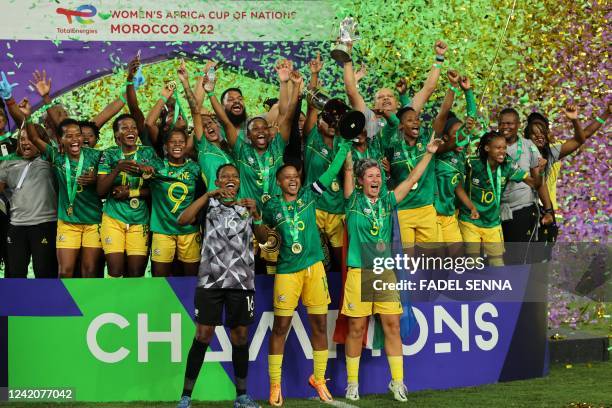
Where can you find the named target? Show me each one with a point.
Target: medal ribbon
(498, 187)
(265, 170)
(377, 220)
(519, 151)
(409, 156)
(292, 222)
(71, 186)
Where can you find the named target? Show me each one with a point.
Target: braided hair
(485, 140)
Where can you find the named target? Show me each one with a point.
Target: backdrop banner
(127, 340)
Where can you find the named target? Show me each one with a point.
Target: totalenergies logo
(82, 13)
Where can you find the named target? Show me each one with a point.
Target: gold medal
(134, 203)
(415, 186)
(147, 175)
(335, 186)
(380, 246)
(265, 197)
(69, 211)
(296, 248)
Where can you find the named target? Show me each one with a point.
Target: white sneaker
(352, 392)
(399, 390)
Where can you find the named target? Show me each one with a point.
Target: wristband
(440, 58)
(163, 98)
(455, 90)
(437, 65)
(210, 94)
(600, 120)
(129, 83)
(548, 211)
(122, 98)
(257, 222)
(134, 192)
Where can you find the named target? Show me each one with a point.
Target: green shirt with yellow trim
(173, 190)
(210, 158)
(122, 209)
(403, 158)
(306, 225)
(364, 232)
(87, 206)
(317, 158)
(450, 171)
(481, 192)
(251, 176)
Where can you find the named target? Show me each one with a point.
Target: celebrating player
(226, 278)
(300, 272)
(79, 207)
(125, 219)
(368, 219)
(486, 178)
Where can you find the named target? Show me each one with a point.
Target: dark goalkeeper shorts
(239, 307)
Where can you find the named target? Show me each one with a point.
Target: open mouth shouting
(74, 148)
(232, 186)
(237, 108)
(130, 138)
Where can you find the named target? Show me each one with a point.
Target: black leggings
(36, 242)
(521, 228)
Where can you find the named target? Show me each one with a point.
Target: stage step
(570, 346)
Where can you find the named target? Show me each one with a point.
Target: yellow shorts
(118, 237)
(418, 224)
(380, 302)
(448, 229)
(492, 239)
(75, 236)
(332, 226)
(163, 247)
(309, 283)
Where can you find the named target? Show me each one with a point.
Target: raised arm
(108, 112)
(155, 112)
(350, 86)
(402, 190)
(31, 129)
(315, 66)
(571, 145)
(183, 75)
(447, 103)
(284, 120)
(420, 98)
(42, 84)
(130, 95)
(231, 132)
(349, 176)
(598, 122)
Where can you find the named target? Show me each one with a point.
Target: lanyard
(498, 186)
(126, 178)
(71, 186)
(519, 151)
(292, 222)
(377, 220)
(264, 170)
(410, 157)
(360, 155)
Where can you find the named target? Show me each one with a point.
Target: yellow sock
(352, 369)
(319, 359)
(396, 364)
(275, 364)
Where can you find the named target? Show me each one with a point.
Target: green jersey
(450, 171)
(258, 171)
(173, 190)
(130, 211)
(369, 226)
(85, 207)
(210, 158)
(296, 223)
(481, 190)
(404, 158)
(317, 157)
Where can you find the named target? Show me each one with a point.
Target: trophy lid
(351, 124)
